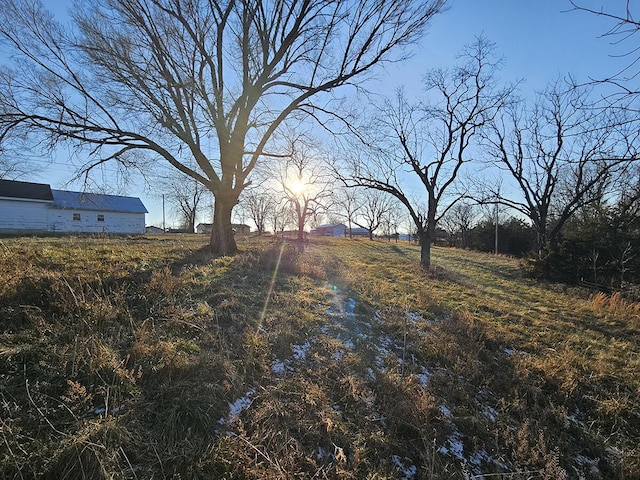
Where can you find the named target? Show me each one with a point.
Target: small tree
(347, 204)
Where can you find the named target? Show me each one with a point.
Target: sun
(298, 187)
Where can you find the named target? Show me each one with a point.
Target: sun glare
(297, 187)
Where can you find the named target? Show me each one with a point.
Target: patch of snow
(413, 317)
(349, 344)
(424, 377)
(324, 329)
(454, 447)
(371, 374)
(279, 367)
(350, 307)
(479, 457)
(445, 411)
(300, 351)
(490, 413)
(236, 408)
(589, 466)
(323, 454)
(408, 469)
(337, 356)
(508, 351)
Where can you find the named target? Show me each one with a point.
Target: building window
(100, 217)
(76, 217)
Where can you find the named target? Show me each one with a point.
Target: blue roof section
(94, 201)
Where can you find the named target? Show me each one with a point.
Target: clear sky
(540, 40)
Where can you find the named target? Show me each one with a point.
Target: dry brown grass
(146, 358)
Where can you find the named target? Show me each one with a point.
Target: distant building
(37, 208)
(330, 230)
(237, 228)
(358, 232)
(152, 230)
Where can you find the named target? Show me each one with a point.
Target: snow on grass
(454, 446)
(424, 377)
(407, 468)
(490, 413)
(300, 351)
(350, 307)
(348, 343)
(445, 411)
(337, 356)
(279, 367)
(236, 407)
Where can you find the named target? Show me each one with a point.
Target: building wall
(19, 215)
(92, 221)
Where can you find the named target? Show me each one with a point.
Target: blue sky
(540, 40)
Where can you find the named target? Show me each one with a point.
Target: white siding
(114, 222)
(18, 215)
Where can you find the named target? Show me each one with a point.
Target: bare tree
(457, 222)
(625, 26)
(305, 182)
(348, 203)
(562, 155)
(281, 217)
(258, 203)
(158, 78)
(375, 206)
(431, 140)
(185, 196)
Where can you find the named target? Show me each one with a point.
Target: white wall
(114, 222)
(38, 216)
(17, 215)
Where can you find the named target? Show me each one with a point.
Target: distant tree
(457, 222)
(562, 154)
(281, 216)
(185, 196)
(374, 205)
(135, 81)
(305, 182)
(431, 140)
(258, 203)
(347, 203)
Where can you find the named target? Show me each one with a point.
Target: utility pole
(496, 234)
(164, 228)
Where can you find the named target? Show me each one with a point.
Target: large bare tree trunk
(425, 249)
(222, 239)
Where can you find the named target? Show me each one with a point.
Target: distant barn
(37, 208)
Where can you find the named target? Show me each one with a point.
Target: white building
(330, 230)
(36, 208)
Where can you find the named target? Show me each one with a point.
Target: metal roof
(25, 190)
(93, 201)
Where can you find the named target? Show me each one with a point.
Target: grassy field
(145, 358)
